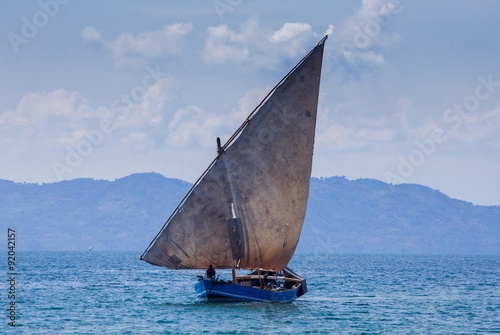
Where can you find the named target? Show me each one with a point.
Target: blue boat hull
(213, 289)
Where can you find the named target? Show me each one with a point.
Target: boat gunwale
(265, 295)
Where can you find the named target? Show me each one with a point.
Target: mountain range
(343, 216)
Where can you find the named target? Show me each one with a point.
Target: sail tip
(323, 40)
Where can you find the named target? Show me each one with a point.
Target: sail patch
(174, 260)
(235, 232)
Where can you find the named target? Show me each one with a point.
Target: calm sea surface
(115, 293)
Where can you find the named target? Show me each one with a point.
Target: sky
(410, 90)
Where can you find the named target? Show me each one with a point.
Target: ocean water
(115, 293)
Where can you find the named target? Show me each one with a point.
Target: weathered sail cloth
(247, 210)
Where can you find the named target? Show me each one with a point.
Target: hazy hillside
(343, 216)
(72, 215)
(368, 215)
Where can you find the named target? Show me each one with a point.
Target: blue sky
(410, 89)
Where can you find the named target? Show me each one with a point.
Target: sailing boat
(247, 209)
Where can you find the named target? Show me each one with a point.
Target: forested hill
(343, 215)
(367, 215)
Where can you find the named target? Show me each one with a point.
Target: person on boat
(210, 273)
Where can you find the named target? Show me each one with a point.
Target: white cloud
(460, 133)
(369, 27)
(368, 57)
(376, 135)
(138, 49)
(159, 95)
(336, 137)
(144, 126)
(35, 106)
(137, 141)
(37, 109)
(351, 134)
(248, 103)
(256, 45)
(55, 119)
(90, 34)
(375, 8)
(289, 31)
(46, 119)
(193, 125)
(224, 45)
(480, 128)
(330, 30)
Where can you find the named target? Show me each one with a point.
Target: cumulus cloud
(336, 137)
(55, 119)
(356, 58)
(357, 43)
(137, 141)
(482, 127)
(457, 132)
(256, 45)
(249, 101)
(354, 40)
(90, 34)
(351, 134)
(151, 109)
(374, 8)
(192, 124)
(59, 119)
(46, 119)
(138, 49)
(330, 29)
(159, 95)
(224, 45)
(289, 31)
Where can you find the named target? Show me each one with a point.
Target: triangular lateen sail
(248, 208)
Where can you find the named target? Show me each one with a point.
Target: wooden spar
(233, 271)
(219, 147)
